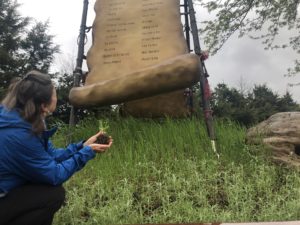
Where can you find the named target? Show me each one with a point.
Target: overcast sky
(241, 62)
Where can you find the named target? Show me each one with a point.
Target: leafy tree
(250, 16)
(12, 28)
(287, 104)
(38, 48)
(250, 108)
(64, 84)
(263, 102)
(22, 48)
(232, 104)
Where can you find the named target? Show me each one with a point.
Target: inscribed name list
(129, 35)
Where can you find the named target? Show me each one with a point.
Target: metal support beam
(203, 75)
(80, 56)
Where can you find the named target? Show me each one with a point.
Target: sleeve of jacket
(31, 161)
(61, 154)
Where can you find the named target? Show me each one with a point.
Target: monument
(139, 57)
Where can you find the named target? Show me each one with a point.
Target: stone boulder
(280, 132)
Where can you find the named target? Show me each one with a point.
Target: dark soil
(103, 139)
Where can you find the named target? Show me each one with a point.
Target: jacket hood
(12, 118)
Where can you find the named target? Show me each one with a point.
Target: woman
(31, 169)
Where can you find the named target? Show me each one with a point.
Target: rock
(280, 132)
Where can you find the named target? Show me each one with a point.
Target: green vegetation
(25, 44)
(251, 107)
(165, 171)
(103, 125)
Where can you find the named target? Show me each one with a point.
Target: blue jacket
(25, 157)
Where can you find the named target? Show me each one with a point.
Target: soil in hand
(103, 139)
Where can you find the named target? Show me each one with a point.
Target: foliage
(38, 48)
(229, 103)
(23, 45)
(103, 125)
(252, 107)
(64, 84)
(165, 172)
(249, 18)
(12, 27)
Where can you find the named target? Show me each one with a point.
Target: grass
(165, 171)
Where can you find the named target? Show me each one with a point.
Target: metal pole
(189, 93)
(187, 27)
(203, 78)
(80, 56)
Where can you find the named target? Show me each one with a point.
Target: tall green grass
(165, 171)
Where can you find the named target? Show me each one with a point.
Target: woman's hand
(98, 148)
(93, 139)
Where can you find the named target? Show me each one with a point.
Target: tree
(263, 102)
(38, 48)
(22, 48)
(12, 28)
(252, 107)
(249, 16)
(287, 104)
(232, 104)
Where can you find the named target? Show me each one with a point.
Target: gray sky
(240, 63)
